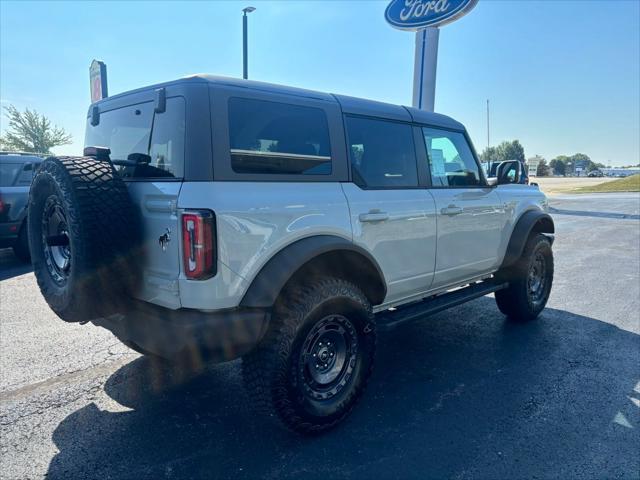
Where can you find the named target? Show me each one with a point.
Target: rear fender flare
(274, 275)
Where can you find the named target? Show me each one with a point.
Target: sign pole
(425, 66)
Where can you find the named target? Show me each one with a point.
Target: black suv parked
(16, 173)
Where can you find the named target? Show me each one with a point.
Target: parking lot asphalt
(462, 394)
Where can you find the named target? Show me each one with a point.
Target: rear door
(470, 215)
(154, 185)
(391, 215)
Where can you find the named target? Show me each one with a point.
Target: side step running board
(388, 320)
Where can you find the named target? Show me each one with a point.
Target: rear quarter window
(278, 138)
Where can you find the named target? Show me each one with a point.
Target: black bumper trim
(216, 336)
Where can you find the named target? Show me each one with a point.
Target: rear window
(278, 138)
(156, 138)
(8, 173)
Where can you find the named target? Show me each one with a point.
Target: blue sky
(563, 76)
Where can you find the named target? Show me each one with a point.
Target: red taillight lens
(198, 244)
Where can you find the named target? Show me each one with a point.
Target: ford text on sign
(417, 14)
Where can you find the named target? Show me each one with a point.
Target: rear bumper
(216, 336)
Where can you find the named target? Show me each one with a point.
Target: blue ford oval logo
(417, 14)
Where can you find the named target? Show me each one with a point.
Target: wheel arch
(317, 255)
(531, 221)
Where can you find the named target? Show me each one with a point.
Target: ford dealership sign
(417, 14)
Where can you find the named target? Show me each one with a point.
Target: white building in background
(532, 165)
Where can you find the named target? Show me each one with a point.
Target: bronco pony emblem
(164, 239)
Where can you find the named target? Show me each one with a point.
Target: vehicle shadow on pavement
(10, 266)
(462, 394)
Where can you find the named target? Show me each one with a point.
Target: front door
(391, 216)
(470, 216)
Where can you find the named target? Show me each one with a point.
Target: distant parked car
(595, 173)
(16, 173)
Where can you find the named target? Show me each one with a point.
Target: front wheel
(316, 358)
(530, 281)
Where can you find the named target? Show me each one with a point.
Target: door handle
(374, 216)
(451, 210)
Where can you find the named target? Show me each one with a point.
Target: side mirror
(509, 172)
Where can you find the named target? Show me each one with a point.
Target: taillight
(198, 244)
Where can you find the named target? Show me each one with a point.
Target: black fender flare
(530, 221)
(268, 283)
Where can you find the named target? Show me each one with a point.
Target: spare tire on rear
(83, 234)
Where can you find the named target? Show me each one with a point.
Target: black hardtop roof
(348, 104)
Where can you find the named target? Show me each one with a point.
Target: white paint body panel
(255, 220)
(470, 226)
(420, 250)
(156, 202)
(404, 244)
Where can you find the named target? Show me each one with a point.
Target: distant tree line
(560, 165)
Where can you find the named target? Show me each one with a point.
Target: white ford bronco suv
(216, 218)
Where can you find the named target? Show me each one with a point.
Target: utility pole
(488, 138)
(488, 142)
(245, 60)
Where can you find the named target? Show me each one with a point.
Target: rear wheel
(316, 358)
(530, 281)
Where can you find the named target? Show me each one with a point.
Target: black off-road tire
(93, 209)
(21, 247)
(274, 373)
(518, 302)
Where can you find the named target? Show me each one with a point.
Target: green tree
(489, 155)
(505, 151)
(511, 151)
(543, 168)
(558, 165)
(29, 131)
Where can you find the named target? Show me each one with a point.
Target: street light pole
(488, 142)
(245, 60)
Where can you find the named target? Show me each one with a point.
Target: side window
(167, 140)
(382, 153)
(278, 138)
(26, 176)
(450, 159)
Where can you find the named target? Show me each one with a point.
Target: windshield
(143, 144)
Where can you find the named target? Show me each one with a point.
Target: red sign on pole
(98, 80)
